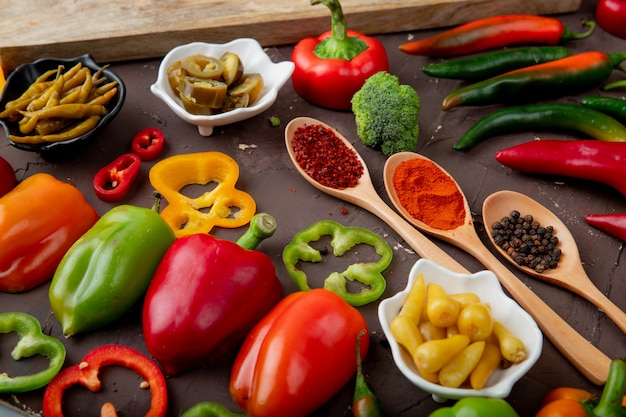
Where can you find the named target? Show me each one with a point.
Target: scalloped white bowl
(254, 59)
(504, 309)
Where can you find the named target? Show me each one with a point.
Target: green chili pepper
(558, 78)
(109, 268)
(365, 403)
(614, 107)
(343, 239)
(477, 407)
(489, 65)
(210, 409)
(551, 116)
(32, 342)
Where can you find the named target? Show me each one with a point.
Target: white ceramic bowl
(254, 59)
(504, 309)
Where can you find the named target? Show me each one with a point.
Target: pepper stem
(339, 44)
(616, 84)
(614, 389)
(616, 59)
(364, 403)
(157, 201)
(262, 226)
(568, 35)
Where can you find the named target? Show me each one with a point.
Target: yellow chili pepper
(223, 205)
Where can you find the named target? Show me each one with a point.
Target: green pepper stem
(365, 402)
(262, 226)
(157, 201)
(616, 59)
(209, 409)
(339, 44)
(615, 84)
(568, 35)
(610, 404)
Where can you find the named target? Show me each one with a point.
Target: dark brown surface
(269, 176)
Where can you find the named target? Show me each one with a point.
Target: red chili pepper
(329, 69)
(593, 160)
(148, 144)
(494, 32)
(612, 223)
(298, 356)
(113, 181)
(86, 374)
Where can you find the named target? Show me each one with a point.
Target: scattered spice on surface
(429, 194)
(526, 241)
(325, 158)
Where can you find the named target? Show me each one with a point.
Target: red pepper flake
(344, 210)
(325, 158)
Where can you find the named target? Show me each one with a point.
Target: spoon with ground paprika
(331, 164)
(431, 200)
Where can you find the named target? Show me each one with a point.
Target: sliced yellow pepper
(222, 205)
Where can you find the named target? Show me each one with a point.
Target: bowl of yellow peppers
(54, 104)
(459, 335)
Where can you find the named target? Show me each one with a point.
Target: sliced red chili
(113, 181)
(148, 143)
(86, 374)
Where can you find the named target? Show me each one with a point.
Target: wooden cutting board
(119, 30)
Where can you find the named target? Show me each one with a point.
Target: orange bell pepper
(39, 220)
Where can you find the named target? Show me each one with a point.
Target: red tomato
(611, 16)
(7, 177)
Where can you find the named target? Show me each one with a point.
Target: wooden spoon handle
(593, 294)
(588, 359)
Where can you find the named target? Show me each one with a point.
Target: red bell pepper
(298, 356)
(329, 69)
(41, 219)
(86, 374)
(493, 32)
(206, 295)
(113, 181)
(7, 177)
(148, 144)
(592, 160)
(611, 15)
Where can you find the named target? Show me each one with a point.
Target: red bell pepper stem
(113, 181)
(339, 44)
(262, 226)
(494, 32)
(148, 144)
(86, 374)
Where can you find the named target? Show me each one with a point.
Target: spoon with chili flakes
(569, 272)
(405, 175)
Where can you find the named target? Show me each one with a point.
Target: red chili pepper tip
(148, 144)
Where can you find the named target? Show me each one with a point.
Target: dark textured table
(269, 176)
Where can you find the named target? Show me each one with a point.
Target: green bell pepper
(210, 409)
(109, 268)
(343, 239)
(477, 407)
(32, 342)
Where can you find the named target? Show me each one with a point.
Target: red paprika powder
(325, 158)
(429, 194)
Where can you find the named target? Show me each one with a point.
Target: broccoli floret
(386, 114)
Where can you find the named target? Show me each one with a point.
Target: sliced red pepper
(148, 144)
(113, 181)
(86, 374)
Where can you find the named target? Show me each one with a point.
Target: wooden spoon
(569, 273)
(590, 361)
(364, 195)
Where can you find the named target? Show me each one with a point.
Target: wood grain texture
(120, 30)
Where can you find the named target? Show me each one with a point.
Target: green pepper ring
(343, 239)
(32, 342)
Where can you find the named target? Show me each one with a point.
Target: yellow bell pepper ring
(222, 205)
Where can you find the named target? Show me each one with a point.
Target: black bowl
(24, 75)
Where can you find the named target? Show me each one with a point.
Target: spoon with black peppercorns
(534, 227)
